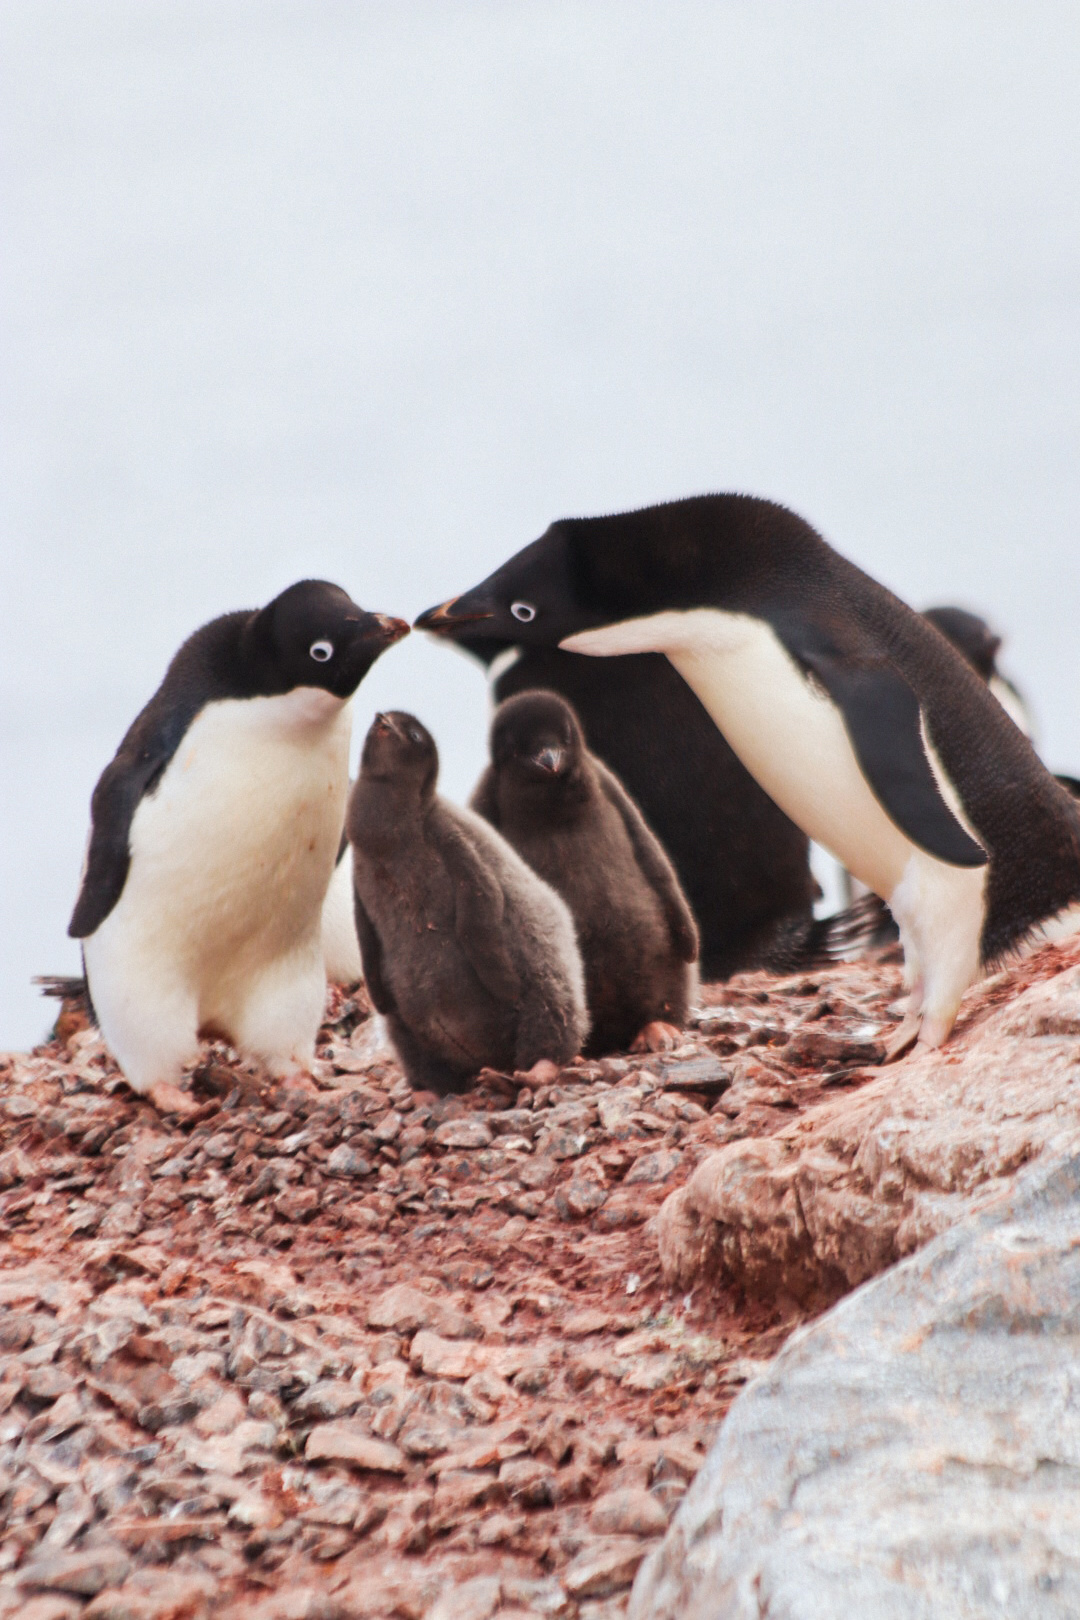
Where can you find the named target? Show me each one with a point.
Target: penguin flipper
(654, 862)
(883, 720)
(371, 960)
(478, 917)
(120, 789)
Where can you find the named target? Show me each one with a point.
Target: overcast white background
(376, 291)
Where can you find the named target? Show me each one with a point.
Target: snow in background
(376, 291)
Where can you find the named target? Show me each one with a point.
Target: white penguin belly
(232, 854)
(791, 738)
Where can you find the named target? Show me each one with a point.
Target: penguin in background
(574, 823)
(213, 837)
(468, 955)
(742, 864)
(980, 645)
(853, 712)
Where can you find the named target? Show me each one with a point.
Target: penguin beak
(385, 723)
(385, 630)
(450, 616)
(550, 760)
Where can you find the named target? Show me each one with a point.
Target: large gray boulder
(914, 1454)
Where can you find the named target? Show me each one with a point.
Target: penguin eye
(523, 611)
(322, 651)
(414, 735)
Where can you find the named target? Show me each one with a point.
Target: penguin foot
(657, 1037)
(904, 1039)
(542, 1073)
(169, 1099)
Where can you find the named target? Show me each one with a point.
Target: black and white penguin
(743, 865)
(971, 635)
(468, 955)
(575, 824)
(213, 838)
(858, 717)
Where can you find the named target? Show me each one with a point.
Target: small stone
(84, 1572)
(648, 1373)
(630, 1512)
(223, 1416)
(329, 1398)
(388, 1128)
(345, 1161)
(472, 1600)
(652, 1168)
(527, 1480)
(253, 1510)
(445, 1358)
(348, 1442)
(580, 1324)
(463, 1133)
(578, 1198)
(406, 1309)
(48, 1608)
(602, 1569)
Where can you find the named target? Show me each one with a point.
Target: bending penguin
(858, 717)
(575, 824)
(468, 955)
(213, 837)
(754, 900)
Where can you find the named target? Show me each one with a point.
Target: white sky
(376, 291)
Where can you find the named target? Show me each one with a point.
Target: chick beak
(550, 760)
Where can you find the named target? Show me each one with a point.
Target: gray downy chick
(576, 825)
(469, 956)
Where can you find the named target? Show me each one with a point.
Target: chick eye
(414, 736)
(322, 651)
(523, 611)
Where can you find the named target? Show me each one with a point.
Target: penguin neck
(387, 813)
(528, 803)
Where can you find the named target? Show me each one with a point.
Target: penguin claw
(656, 1037)
(169, 1099)
(904, 1039)
(542, 1073)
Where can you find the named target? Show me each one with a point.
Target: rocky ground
(364, 1352)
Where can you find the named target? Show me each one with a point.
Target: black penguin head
(588, 572)
(536, 740)
(970, 635)
(401, 751)
(314, 634)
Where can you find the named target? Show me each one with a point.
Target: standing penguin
(470, 957)
(213, 837)
(575, 824)
(853, 712)
(743, 865)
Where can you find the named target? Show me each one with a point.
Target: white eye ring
(523, 611)
(322, 651)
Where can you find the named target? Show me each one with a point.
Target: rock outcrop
(863, 1179)
(916, 1453)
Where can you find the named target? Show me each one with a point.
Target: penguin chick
(470, 957)
(574, 823)
(868, 729)
(213, 837)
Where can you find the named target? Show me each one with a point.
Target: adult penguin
(853, 712)
(213, 838)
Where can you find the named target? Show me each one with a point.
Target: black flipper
(136, 771)
(371, 960)
(655, 864)
(881, 714)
